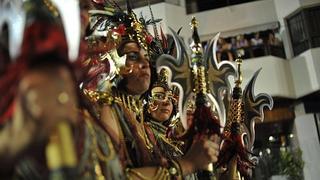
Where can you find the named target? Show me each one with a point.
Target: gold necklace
(127, 101)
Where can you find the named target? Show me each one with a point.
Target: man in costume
(39, 95)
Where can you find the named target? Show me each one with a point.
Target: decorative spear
(200, 79)
(204, 121)
(233, 149)
(235, 154)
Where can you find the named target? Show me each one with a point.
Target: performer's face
(138, 80)
(162, 107)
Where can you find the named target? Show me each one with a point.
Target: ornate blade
(180, 72)
(253, 108)
(218, 74)
(13, 14)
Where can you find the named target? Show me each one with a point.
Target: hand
(202, 152)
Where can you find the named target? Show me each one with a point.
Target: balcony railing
(194, 6)
(141, 3)
(252, 52)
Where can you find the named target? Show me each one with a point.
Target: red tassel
(205, 121)
(233, 146)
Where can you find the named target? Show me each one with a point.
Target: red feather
(164, 40)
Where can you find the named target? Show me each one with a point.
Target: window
(304, 29)
(194, 6)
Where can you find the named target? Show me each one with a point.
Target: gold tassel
(60, 151)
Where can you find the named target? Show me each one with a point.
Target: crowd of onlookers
(250, 45)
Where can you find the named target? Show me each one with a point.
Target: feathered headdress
(116, 26)
(169, 91)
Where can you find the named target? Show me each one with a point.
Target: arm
(202, 152)
(230, 57)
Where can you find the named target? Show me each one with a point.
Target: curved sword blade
(253, 107)
(180, 72)
(218, 74)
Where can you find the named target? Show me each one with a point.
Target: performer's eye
(170, 97)
(160, 96)
(133, 56)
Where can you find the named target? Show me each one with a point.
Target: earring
(127, 70)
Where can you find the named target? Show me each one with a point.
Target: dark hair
(48, 59)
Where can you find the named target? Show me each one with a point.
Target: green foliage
(291, 164)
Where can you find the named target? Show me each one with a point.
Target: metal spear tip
(239, 61)
(195, 45)
(194, 23)
(239, 79)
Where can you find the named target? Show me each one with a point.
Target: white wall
(315, 52)
(236, 17)
(309, 144)
(172, 16)
(305, 72)
(285, 7)
(293, 78)
(274, 78)
(309, 2)
(217, 20)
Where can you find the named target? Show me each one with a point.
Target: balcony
(141, 3)
(194, 6)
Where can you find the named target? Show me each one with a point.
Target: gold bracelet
(163, 175)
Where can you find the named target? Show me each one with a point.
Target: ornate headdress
(161, 90)
(116, 26)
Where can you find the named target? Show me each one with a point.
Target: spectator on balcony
(224, 50)
(242, 42)
(242, 45)
(273, 40)
(256, 40)
(233, 45)
(257, 45)
(275, 46)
